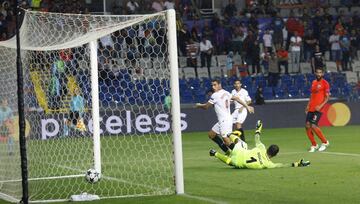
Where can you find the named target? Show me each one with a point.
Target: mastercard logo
(337, 114)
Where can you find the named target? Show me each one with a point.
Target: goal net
(98, 95)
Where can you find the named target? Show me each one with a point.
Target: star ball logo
(337, 114)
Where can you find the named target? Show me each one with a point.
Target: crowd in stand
(266, 41)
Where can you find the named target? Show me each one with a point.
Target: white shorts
(239, 116)
(223, 128)
(240, 145)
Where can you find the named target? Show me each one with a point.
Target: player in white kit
(221, 99)
(240, 113)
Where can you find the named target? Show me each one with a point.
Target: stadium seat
(119, 98)
(247, 82)
(268, 93)
(331, 66)
(199, 96)
(189, 72)
(305, 91)
(182, 61)
(215, 72)
(334, 91)
(299, 80)
(293, 92)
(203, 72)
(279, 93)
(260, 81)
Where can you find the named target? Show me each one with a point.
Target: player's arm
(204, 106)
(307, 107)
(258, 129)
(326, 99)
(249, 108)
(300, 163)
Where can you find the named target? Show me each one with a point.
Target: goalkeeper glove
(301, 163)
(259, 126)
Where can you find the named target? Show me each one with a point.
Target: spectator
(169, 4)
(295, 43)
(195, 35)
(268, 42)
(206, 51)
(237, 43)
(345, 49)
(230, 64)
(291, 26)
(35, 5)
(283, 57)
(192, 52)
(273, 70)
(336, 54)
(309, 45)
(157, 6)
(3, 37)
(277, 25)
(219, 38)
(317, 20)
(183, 36)
(230, 10)
(339, 28)
(2, 23)
(132, 7)
(259, 96)
(252, 52)
(317, 59)
(207, 32)
(354, 42)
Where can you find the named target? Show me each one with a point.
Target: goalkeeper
(256, 158)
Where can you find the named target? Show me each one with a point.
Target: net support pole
(22, 124)
(175, 100)
(95, 104)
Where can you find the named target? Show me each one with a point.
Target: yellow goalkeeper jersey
(255, 158)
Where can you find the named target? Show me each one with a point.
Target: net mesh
(133, 68)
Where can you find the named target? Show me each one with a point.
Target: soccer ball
(92, 176)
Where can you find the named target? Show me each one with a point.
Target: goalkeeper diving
(256, 158)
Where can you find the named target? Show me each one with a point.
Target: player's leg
(309, 132)
(213, 134)
(318, 132)
(226, 130)
(221, 157)
(240, 120)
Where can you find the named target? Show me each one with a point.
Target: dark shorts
(313, 117)
(73, 117)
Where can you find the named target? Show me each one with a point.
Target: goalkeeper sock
(242, 136)
(223, 158)
(221, 143)
(311, 136)
(231, 146)
(319, 133)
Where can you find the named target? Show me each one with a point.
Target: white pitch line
(204, 199)
(109, 178)
(341, 154)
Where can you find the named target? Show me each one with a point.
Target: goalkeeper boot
(212, 152)
(259, 126)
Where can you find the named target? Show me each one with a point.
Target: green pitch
(333, 176)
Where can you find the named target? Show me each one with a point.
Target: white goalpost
(101, 92)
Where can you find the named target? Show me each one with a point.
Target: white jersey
(221, 101)
(242, 95)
